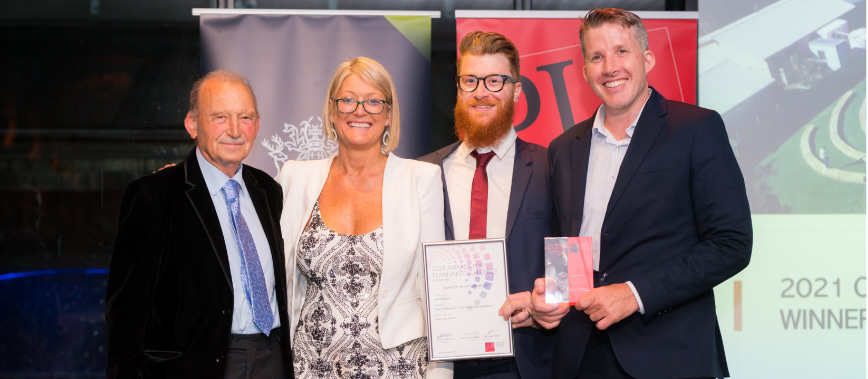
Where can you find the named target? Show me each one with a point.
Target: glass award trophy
(568, 268)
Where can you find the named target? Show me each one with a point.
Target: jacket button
(604, 277)
(219, 359)
(225, 312)
(385, 294)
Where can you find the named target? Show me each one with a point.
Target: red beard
(487, 134)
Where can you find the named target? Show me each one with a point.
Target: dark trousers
(504, 368)
(254, 356)
(600, 361)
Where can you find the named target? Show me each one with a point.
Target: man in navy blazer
(516, 204)
(657, 186)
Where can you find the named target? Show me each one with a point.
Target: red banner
(555, 95)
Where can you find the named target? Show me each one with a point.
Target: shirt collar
(500, 149)
(216, 179)
(599, 127)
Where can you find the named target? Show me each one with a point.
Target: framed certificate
(465, 285)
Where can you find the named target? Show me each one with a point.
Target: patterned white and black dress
(337, 334)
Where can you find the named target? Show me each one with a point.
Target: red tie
(479, 196)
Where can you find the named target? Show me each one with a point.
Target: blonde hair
(599, 17)
(374, 74)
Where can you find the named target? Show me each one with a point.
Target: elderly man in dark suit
(197, 285)
(657, 186)
(495, 186)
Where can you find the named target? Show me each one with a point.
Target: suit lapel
(447, 208)
(650, 124)
(263, 211)
(521, 173)
(200, 199)
(580, 151)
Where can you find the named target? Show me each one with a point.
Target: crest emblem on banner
(303, 142)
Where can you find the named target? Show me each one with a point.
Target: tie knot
(482, 159)
(231, 189)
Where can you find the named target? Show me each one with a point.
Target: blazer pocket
(411, 300)
(656, 166)
(536, 215)
(158, 356)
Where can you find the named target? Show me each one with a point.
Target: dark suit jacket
(528, 221)
(677, 224)
(170, 301)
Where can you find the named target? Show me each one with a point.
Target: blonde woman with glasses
(353, 226)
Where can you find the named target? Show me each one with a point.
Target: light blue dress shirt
(604, 164)
(242, 315)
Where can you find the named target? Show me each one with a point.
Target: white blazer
(412, 214)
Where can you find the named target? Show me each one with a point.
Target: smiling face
(360, 130)
(226, 124)
(483, 117)
(616, 68)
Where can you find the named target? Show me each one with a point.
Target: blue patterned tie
(251, 270)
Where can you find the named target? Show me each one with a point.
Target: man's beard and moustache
(483, 134)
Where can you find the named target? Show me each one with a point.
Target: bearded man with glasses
(497, 186)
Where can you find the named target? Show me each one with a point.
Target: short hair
(599, 17)
(222, 75)
(373, 73)
(485, 43)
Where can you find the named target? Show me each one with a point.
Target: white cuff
(636, 295)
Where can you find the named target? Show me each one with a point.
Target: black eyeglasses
(493, 83)
(372, 106)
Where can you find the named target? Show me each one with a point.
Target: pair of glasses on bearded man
(493, 83)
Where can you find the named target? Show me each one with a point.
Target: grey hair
(222, 75)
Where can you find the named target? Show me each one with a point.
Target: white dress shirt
(459, 168)
(604, 164)
(242, 316)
